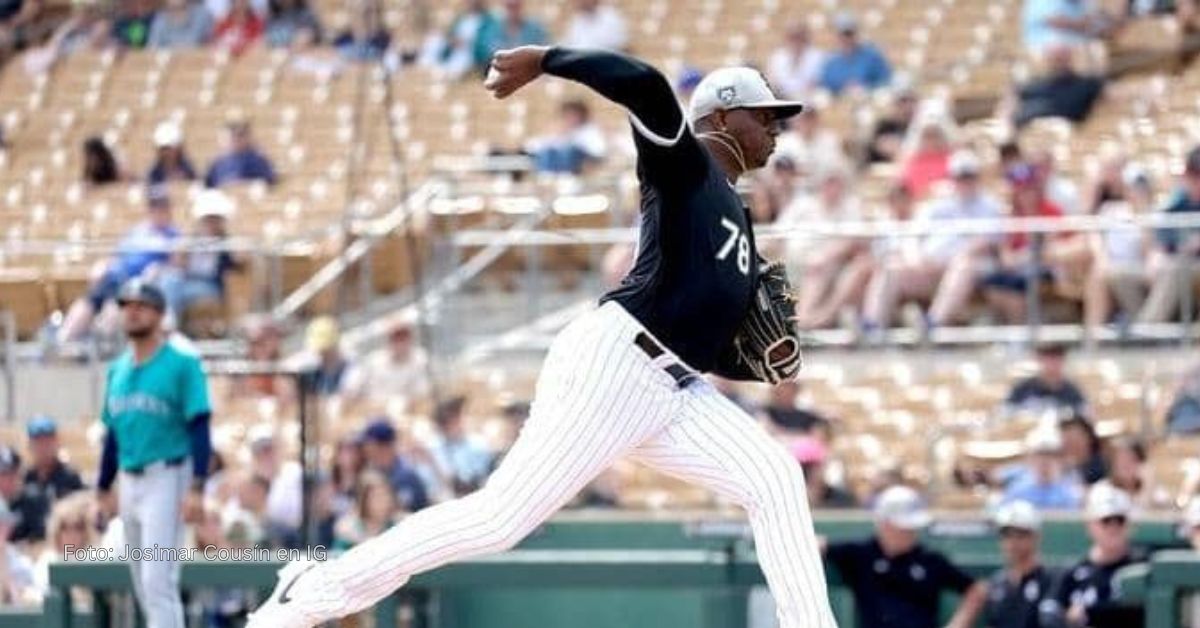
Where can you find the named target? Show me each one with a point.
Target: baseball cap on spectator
(1044, 440)
(380, 431)
(963, 164)
(41, 426)
(322, 334)
(1106, 501)
(1019, 515)
(845, 23)
(1134, 174)
(902, 507)
(236, 121)
(1021, 174)
(157, 197)
(212, 203)
(167, 134)
(809, 450)
(738, 88)
(10, 460)
(688, 79)
(144, 292)
(1191, 514)
(260, 437)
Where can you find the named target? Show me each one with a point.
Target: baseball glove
(767, 346)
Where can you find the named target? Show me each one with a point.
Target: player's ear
(718, 120)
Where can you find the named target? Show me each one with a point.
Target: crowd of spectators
(382, 469)
(1109, 279)
(939, 175)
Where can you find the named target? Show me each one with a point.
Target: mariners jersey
(697, 262)
(149, 406)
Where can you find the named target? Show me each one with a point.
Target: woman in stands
(100, 166)
(376, 510)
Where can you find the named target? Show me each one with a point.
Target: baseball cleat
(278, 610)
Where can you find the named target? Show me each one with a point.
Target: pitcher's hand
(513, 69)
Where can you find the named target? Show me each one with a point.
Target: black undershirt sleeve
(631, 83)
(668, 155)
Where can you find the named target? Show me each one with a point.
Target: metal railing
(885, 229)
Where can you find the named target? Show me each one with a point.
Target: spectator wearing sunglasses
(1084, 595)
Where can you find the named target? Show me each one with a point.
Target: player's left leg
(714, 443)
(166, 487)
(597, 397)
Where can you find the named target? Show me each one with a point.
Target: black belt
(680, 373)
(173, 462)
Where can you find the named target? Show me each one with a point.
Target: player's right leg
(713, 443)
(597, 397)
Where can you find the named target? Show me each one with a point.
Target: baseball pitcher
(625, 378)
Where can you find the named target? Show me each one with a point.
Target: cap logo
(727, 95)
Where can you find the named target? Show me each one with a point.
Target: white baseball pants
(150, 512)
(599, 397)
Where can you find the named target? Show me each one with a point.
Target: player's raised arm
(629, 82)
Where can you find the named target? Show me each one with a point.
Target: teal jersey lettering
(148, 406)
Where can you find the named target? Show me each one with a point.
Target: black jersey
(896, 591)
(696, 262)
(1092, 586)
(1015, 604)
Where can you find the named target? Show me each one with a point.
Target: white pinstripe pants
(600, 397)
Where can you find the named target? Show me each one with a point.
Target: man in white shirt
(284, 500)
(397, 371)
(16, 570)
(814, 149)
(794, 68)
(597, 25)
(918, 278)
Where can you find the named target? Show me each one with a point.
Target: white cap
(1191, 514)
(260, 434)
(845, 22)
(738, 88)
(212, 203)
(963, 162)
(902, 507)
(1043, 440)
(1134, 174)
(1018, 514)
(167, 134)
(1105, 500)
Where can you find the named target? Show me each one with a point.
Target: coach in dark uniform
(1084, 595)
(1015, 592)
(897, 583)
(48, 477)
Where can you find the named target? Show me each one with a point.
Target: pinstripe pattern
(714, 443)
(598, 398)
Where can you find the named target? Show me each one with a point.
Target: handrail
(864, 228)
(369, 237)
(496, 246)
(8, 321)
